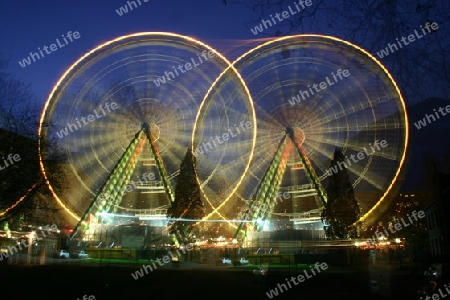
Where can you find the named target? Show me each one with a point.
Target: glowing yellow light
(247, 167)
(18, 201)
(235, 71)
(402, 102)
(83, 58)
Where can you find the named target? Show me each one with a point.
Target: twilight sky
(421, 67)
(25, 26)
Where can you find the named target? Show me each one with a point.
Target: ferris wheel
(129, 105)
(270, 122)
(315, 95)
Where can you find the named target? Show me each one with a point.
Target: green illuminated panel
(161, 168)
(108, 192)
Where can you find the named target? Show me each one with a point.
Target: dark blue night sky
(335, 119)
(420, 68)
(25, 26)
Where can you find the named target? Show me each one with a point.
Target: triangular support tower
(111, 193)
(265, 198)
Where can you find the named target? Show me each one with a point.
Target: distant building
(437, 219)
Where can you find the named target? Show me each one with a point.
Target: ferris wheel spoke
(129, 71)
(232, 156)
(349, 113)
(354, 110)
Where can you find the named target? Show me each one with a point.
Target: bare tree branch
(421, 67)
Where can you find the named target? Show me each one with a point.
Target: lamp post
(414, 251)
(30, 243)
(398, 251)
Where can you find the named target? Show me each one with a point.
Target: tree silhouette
(420, 67)
(19, 108)
(342, 209)
(25, 198)
(187, 205)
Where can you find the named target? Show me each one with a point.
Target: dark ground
(191, 281)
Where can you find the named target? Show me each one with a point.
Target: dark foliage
(342, 209)
(188, 205)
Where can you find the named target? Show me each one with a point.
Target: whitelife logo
(147, 178)
(437, 296)
(187, 66)
(398, 226)
(359, 156)
(250, 208)
(323, 85)
(90, 118)
(281, 16)
(422, 123)
(301, 278)
(124, 9)
(411, 38)
(11, 158)
(85, 297)
(165, 260)
(35, 56)
(205, 147)
(13, 249)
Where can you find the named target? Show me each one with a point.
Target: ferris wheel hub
(153, 129)
(296, 134)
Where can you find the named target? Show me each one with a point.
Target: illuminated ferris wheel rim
(204, 105)
(231, 66)
(67, 76)
(386, 72)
